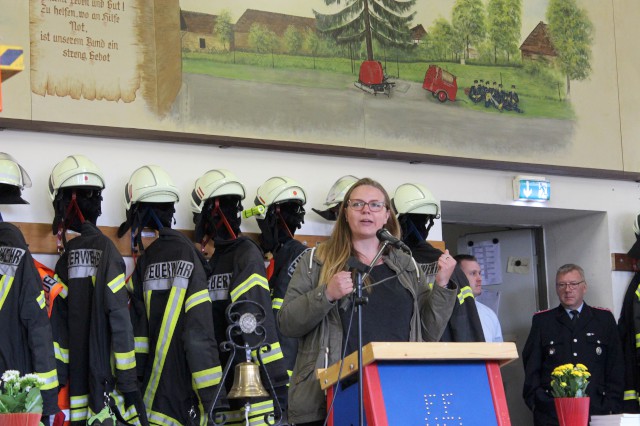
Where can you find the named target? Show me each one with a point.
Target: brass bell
(246, 382)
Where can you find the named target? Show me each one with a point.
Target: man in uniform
(574, 332)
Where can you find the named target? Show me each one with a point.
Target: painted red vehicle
(442, 84)
(372, 79)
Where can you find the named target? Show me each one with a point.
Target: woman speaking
(402, 306)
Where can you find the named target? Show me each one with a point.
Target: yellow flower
(570, 381)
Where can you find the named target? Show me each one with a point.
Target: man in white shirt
(489, 320)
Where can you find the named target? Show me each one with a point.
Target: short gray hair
(570, 267)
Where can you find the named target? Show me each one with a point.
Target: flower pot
(20, 419)
(572, 411)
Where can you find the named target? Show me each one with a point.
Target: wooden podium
(430, 384)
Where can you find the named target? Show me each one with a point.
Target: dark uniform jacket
(238, 273)
(592, 341)
(464, 324)
(175, 342)
(26, 344)
(91, 324)
(629, 328)
(286, 258)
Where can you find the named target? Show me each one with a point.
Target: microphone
(385, 236)
(253, 211)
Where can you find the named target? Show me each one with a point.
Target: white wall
(39, 152)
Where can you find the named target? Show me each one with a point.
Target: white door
(508, 258)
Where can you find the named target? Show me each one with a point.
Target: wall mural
(525, 81)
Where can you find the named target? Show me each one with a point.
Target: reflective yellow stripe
(638, 292)
(638, 341)
(125, 360)
(129, 285)
(117, 283)
(248, 284)
(61, 353)
(630, 395)
(5, 287)
(65, 290)
(78, 405)
(430, 286)
(50, 379)
(195, 299)
(464, 293)
(257, 412)
(40, 300)
(276, 303)
(142, 345)
(206, 378)
(273, 355)
(169, 321)
(147, 302)
(156, 418)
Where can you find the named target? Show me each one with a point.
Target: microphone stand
(359, 303)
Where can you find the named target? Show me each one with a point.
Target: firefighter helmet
(215, 183)
(636, 226)
(339, 189)
(74, 171)
(150, 184)
(416, 199)
(12, 173)
(280, 189)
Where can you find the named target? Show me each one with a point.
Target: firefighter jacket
(238, 273)
(286, 259)
(308, 315)
(629, 328)
(176, 348)
(91, 325)
(26, 344)
(592, 340)
(464, 324)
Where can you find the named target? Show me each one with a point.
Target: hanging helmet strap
(72, 210)
(223, 219)
(139, 223)
(1, 219)
(282, 222)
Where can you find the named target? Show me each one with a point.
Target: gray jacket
(308, 315)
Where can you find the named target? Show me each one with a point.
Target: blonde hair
(336, 251)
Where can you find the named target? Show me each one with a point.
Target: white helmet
(415, 198)
(215, 183)
(279, 189)
(150, 184)
(74, 171)
(12, 173)
(339, 190)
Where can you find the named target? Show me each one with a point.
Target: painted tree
(312, 44)
(224, 28)
(571, 33)
(504, 21)
(468, 21)
(263, 40)
(387, 21)
(293, 39)
(441, 39)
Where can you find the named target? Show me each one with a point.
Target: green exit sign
(531, 188)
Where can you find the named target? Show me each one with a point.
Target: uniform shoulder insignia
(542, 311)
(601, 308)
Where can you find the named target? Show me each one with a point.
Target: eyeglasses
(570, 284)
(374, 206)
